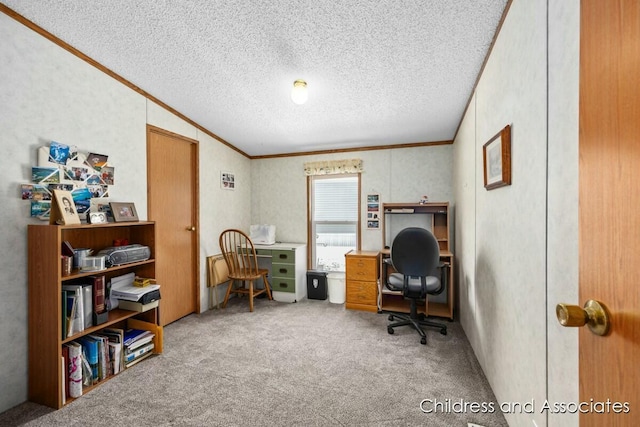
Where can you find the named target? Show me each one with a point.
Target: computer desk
(433, 216)
(436, 305)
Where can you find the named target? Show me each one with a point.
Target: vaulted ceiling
(379, 72)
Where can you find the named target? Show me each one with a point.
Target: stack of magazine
(126, 295)
(138, 345)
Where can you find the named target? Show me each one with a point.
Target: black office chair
(415, 256)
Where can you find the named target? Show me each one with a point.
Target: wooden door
(172, 170)
(610, 207)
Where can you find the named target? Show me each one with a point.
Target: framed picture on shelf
(124, 212)
(102, 205)
(63, 209)
(496, 156)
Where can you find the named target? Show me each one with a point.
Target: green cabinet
(287, 267)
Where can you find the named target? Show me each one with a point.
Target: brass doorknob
(594, 314)
(191, 228)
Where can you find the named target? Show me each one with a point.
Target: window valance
(333, 167)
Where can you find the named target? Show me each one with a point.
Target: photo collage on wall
(227, 181)
(87, 176)
(373, 212)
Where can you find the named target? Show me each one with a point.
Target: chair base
(416, 321)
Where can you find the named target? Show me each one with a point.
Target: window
(334, 207)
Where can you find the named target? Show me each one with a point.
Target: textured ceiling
(379, 72)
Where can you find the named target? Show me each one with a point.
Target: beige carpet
(302, 364)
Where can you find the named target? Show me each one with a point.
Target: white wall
(47, 94)
(279, 186)
(562, 226)
(517, 246)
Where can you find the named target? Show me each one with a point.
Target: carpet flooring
(310, 363)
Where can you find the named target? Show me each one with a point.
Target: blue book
(133, 335)
(90, 350)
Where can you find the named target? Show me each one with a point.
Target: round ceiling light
(299, 93)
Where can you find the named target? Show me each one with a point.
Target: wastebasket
(336, 287)
(316, 284)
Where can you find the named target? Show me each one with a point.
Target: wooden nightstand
(362, 280)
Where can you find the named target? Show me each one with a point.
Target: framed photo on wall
(373, 211)
(227, 181)
(496, 157)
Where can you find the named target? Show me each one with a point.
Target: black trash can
(316, 284)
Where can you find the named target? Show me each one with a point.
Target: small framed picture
(63, 209)
(96, 217)
(124, 212)
(373, 211)
(227, 181)
(103, 205)
(496, 155)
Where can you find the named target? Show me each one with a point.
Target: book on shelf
(75, 369)
(75, 320)
(91, 350)
(116, 347)
(115, 355)
(63, 321)
(103, 355)
(138, 359)
(66, 302)
(84, 294)
(87, 295)
(65, 370)
(99, 290)
(63, 364)
(139, 343)
(138, 352)
(133, 335)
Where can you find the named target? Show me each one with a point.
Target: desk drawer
(361, 268)
(283, 284)
(362, 292)
(283, 256)
(283, 270)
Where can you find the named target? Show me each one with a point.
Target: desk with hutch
(434, 217)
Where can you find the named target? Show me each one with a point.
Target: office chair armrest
(444, 278)
(386, 262)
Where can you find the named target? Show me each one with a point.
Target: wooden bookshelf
(45, 290)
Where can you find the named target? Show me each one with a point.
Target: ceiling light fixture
(299, 93)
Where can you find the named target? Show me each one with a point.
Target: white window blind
(334, 222)
(336, 199)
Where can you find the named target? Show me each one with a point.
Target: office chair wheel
(391, 317)
(443, 331)
(390, 330)
(423, 341)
